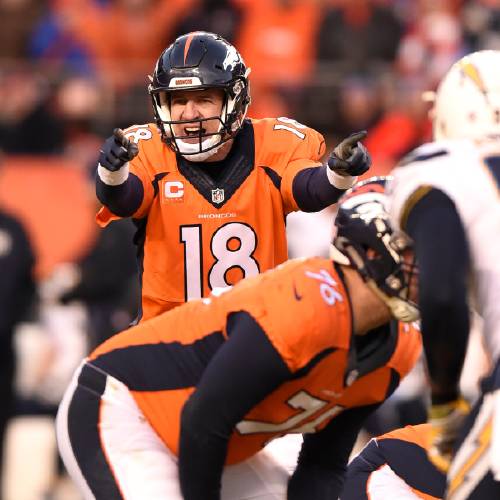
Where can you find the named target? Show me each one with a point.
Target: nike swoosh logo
(297, 294)
(330, 393)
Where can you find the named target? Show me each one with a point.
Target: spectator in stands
(81, 103)
(405, 111)
(481, 24)
(433, 42)
(55, 42)
(358, 34)
(216, 16)
(104, 280)
(27, 122)
(358, 102)
(277, 40)
(119, 39)
(16, 295)
(17, 19)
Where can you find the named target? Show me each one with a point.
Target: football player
(445, 196)
(183, 405)
(395, 465)
(209, 189)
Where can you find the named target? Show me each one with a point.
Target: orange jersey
(404, 450)
(416, 434)
(198, 234)
(411, 443)
(304, 310)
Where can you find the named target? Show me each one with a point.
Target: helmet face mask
(365, 241)
(467, 101)
(200, 61)
(193, 144)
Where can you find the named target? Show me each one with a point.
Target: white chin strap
(189, 150)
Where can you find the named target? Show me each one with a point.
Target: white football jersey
(469, 174)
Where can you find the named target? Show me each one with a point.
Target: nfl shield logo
(217, 195)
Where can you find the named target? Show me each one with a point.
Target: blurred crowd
(72, 70)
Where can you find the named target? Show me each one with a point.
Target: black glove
(117, 150)
(350, 157)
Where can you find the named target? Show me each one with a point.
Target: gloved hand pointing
(350, 157)
(117, 150)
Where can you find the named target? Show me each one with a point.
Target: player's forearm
(442, 254)
(122, 199)
(314, 483)
(313, 190)
(445, 343)
(324, 455)
(201, 456)
(242, 372)
(322, 463)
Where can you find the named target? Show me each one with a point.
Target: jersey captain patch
(173, 190)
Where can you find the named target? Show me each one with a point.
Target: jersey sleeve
(405, 451)
(444, 273)
(306, 311)
(288, 147)
(307, 154)
(378, 484)
(395, 465)
(418, 434)
(144, 167)
(138, 167)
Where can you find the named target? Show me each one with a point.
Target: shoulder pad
(423, 153)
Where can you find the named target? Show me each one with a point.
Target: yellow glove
(446, 421)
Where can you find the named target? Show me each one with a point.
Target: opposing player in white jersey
(446, 196)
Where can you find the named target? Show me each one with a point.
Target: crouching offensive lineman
(182, 405)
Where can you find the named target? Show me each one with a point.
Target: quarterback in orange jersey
(208, 189)
(182, 406)
(395, 465)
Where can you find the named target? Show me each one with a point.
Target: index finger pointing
(120, 137)
(355, 137)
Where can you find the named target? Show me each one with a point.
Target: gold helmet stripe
(470, 71)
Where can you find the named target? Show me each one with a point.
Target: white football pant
(139, 465)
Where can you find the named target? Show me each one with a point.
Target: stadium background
(72, 70)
